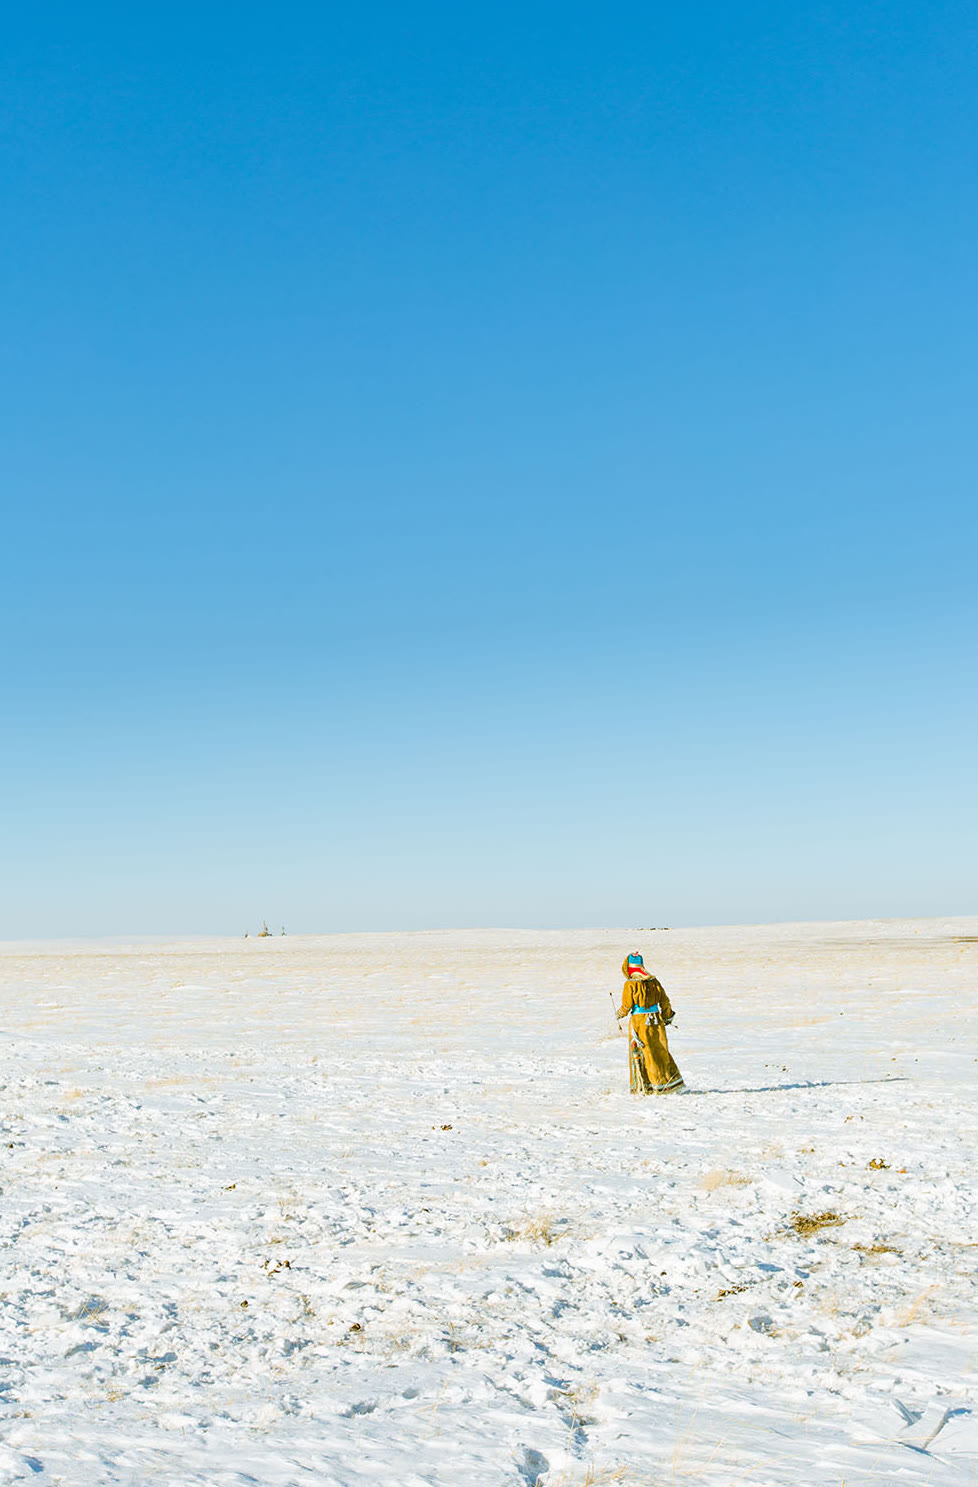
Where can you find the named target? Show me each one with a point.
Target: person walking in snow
(652, 1068)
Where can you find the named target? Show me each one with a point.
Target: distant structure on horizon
(264, 933)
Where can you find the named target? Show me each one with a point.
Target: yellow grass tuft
(540, 1228)
(594, 1477)
(722, 1177)
(909, 1314)
(810, 1223)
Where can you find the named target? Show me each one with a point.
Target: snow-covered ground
(379, 1208)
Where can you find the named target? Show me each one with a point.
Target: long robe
(652, 1067)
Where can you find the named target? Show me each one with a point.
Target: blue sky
(502, 465)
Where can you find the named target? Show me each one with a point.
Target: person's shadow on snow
(773, 1089)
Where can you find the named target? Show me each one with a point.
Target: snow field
(380, 1209)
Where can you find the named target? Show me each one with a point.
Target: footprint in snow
(530, 1464)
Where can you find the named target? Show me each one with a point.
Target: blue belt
(637, 1011)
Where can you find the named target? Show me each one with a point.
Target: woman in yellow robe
(644, 1002)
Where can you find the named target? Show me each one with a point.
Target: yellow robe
(652, 1067)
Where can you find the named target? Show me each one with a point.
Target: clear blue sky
(506, 464)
